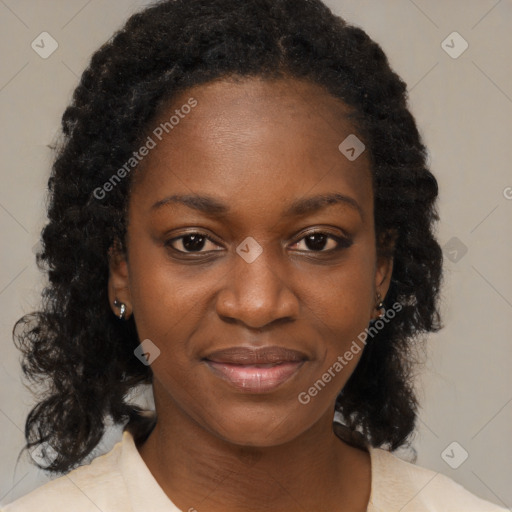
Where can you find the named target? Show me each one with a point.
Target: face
(251, 258)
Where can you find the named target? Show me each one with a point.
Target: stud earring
(380, 306)
(122, 309)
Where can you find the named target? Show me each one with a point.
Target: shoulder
(402, 486)
(92, 487)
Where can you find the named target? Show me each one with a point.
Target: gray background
(463, 107)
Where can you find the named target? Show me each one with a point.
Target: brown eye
(190, 243)
(323, 242)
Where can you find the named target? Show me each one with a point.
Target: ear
(384, 267)
(383, 274)
(118, 280)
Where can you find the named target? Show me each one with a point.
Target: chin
(260, 427)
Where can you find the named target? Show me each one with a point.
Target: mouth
(255, 370)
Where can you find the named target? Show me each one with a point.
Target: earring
(380, 306)
(122, 309)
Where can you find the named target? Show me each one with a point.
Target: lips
(255, 370)
(256, 355)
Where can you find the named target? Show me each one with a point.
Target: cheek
(342, 296)
(341, 303)
(167, 301)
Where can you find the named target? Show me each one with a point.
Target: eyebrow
(212, 207)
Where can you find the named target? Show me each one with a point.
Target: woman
(242, 216)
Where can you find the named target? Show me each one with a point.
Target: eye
(317, 241)
(191, 242)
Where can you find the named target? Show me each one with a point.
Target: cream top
(120, 481)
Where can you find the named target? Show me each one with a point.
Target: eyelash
(343, 242)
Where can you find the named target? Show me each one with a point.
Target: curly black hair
(76, 347)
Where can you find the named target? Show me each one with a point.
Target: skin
(256, 145)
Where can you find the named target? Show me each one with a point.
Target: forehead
(279, 138)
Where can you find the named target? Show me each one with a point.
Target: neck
(197, 469)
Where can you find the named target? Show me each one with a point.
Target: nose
(257, 293)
